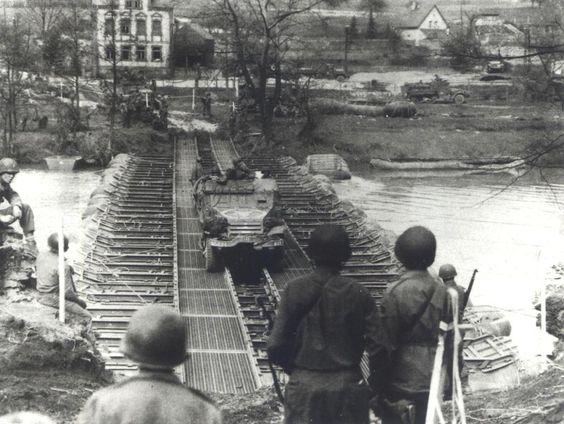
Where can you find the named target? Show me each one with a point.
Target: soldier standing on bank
(324, 324)
(17, 211)
(411, 311)
(156, 341)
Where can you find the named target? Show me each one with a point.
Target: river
(511, 233)
(53, 195)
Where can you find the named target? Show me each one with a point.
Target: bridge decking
(221, 354)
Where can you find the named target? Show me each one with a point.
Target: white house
(417, 25)
(142, 30)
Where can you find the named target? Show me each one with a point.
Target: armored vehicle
(436, 91)
(240, 221)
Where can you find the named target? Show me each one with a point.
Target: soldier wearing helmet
(447, 272)
(411, 311)
(156, 342)
(17, 211)
(47, 274)
(324, 324)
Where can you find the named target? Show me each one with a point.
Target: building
(137, 33)
(421, 26)
(193, 45)
(498, 36)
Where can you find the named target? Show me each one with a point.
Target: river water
(53, 195)
(511, 233)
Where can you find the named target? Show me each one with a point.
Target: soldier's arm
(381, 341)
(280, 341)
(12, 197)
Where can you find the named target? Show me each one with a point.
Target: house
(137, 33)
(192, 44)
(419, 25)
(497, 36)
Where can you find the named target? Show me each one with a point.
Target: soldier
(198, 171)
(411, 311)
(17, 211)
(156, 341)
(447, 272)
(47, 273)
(324, 324)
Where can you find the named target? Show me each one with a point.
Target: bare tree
(43, 16)
(110, 55)
(16, 54)
(260, 33)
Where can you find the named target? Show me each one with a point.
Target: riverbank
(437, 132)
(32, 147)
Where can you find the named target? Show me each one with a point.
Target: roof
(162, 3)
(520, 16)
(414, 18)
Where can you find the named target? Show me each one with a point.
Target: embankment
(437, 132)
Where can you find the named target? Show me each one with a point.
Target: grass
(440, 131)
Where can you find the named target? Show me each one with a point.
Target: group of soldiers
(46, 262)
(324, 324)
(326, 321)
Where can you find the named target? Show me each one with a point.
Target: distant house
(418, 25)
(143, 33)
(497, 36)
(192, 45)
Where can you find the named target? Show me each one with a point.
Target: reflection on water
(55, 194)
(512, 235)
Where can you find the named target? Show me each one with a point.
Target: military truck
(436, 91)
(241, 223)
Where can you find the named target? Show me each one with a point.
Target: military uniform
(47, 273)
(151, 397)
(411, 311)
(323, 325)
(27, 221)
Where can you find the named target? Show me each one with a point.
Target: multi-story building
(137, 33)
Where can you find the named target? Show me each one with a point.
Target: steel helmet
(447, 272)
(156, 337)
(53, 242)
(329, 245)
(416, 248)
(9, 166)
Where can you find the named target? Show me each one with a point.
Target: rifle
(469, 290)
(277, 387)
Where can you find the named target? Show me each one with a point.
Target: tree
(110, 54)
(53, 51)
(371, 31)
(353, 29)
(17, 56)
(462, 47)
(373, 5)
(44, 16)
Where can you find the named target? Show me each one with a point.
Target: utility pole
(347, 36)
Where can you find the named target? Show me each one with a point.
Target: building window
(140, 54)
(156, 54)
(110, 53)
(109, 26)
(125, 52)
(125, 26)
(133, 4)
(157, 28)
(141, 25)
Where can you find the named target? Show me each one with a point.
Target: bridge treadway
(221, 356)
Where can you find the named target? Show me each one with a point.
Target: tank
(242, 226)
